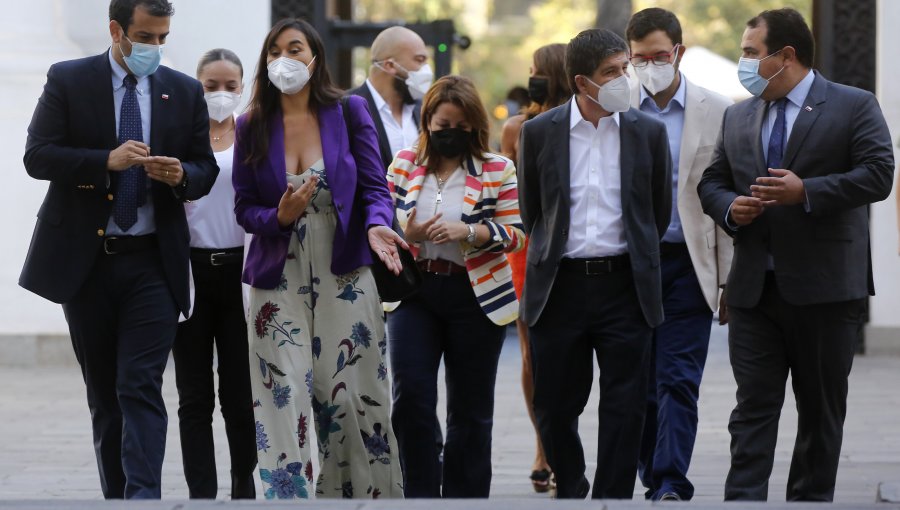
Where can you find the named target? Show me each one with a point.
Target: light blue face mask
(748, 73)
(144, 58)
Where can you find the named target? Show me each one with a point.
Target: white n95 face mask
(614, 95)
(289, 75)
(419, 81)
(221, 104)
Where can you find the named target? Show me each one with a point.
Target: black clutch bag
(392, 287)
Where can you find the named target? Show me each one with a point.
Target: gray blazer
(841, 148)
(544, 201)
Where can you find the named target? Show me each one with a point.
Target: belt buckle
(106, 249)
(212, 259)
(602, 266)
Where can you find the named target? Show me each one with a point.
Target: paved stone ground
(46, 452)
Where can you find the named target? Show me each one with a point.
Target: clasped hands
(434, 230)
(159, 168)
(783, 188)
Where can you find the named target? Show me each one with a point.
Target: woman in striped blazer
(458, 205)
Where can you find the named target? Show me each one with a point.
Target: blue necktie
(131, 183)
(776, 139)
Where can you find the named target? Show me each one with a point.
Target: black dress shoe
(583, 487)
(670, 496)
(243, 487)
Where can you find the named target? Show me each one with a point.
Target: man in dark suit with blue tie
(595, 195)
(123, 143)
(791, 178)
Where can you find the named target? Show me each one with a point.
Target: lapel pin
(166, 97)
(808, 108)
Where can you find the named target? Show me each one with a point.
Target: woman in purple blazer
(312, 192)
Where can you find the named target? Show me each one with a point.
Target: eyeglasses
(658, 59)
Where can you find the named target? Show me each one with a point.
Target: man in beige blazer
(695, 254)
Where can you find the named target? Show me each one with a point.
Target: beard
(403, 89)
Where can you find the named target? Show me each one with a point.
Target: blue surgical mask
(144, 58)
(748, 73)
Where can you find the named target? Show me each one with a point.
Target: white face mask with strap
(289, 75)
(614, 95)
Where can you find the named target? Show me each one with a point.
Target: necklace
(439, 199)
(217, 138)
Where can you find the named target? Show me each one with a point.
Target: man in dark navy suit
(123, 143)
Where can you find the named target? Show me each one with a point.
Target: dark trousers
(122, 322)
(217, 321)
(815, 344)
(585, 315)
(680, 345)
(444, 320)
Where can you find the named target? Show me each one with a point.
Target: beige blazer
(710, 247)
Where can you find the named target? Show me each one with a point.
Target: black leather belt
(595, 266)
(217, 257)
(668, 249)
(118, 245)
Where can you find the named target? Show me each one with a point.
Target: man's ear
(115, 31)
(789, 53)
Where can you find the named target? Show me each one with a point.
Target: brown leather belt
(441, 267)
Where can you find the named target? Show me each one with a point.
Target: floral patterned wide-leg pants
(317, 358)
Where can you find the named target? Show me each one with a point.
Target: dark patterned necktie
(131, 183)
(776, 139)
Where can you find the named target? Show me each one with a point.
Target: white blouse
(450, 206)
(211, 219)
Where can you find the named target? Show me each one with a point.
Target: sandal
(540, 480)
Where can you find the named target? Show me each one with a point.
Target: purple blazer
(355, 175)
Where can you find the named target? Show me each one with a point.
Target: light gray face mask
(221, 104)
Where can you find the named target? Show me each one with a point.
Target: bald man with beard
(398, 79)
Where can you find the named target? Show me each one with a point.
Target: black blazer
(384, 147)
(69, 140)
(544, 202)
(841, 148)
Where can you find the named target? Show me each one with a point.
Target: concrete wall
(883, 332)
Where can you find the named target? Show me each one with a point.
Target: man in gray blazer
(595, 197)
(695, 255)
(791, 178)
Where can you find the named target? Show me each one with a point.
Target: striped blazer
(491, 198)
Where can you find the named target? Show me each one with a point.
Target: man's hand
(417, 232)
(127, 155)
(723, 309)
(785, 188)
(293, 203)
(164, 169)
(745, 209)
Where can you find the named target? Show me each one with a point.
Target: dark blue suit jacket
(841, 148)
(69, 140)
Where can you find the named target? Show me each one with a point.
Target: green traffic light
(442, 48)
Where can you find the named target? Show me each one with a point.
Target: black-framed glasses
(660, 59)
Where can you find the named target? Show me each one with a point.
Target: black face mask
(538, 89)
(403, 89)
(450, 142)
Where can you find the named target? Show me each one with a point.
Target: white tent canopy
(713, 71)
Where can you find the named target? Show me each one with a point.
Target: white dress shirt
(211, 219)
(400, 136)
(450, 207)
(145, 224)
(595, 224)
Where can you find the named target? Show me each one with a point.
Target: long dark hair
(550, 62)
(266, 98)
(460, 91)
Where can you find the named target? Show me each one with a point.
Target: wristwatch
(471, 237)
